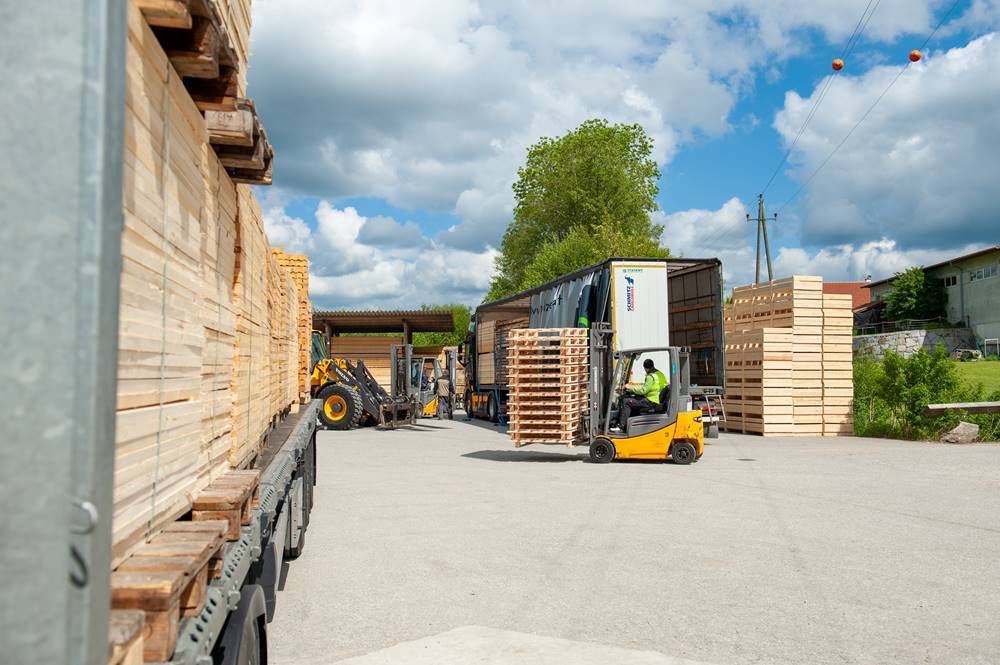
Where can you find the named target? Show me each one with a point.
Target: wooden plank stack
(492, 344)
(768, 391)
(193, 323)
(373, 350)
(298, 266)
(548, 385)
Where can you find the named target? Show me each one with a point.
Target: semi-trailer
(650, 303)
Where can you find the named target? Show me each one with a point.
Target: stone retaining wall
(908, 342)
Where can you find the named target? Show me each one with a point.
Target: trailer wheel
(244, 637)
(492, 412)
(340, 407)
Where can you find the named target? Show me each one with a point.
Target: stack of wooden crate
(194, 389)
(298, 266)
(810, 391)
(549, 383)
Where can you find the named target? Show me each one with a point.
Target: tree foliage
(915, 295)
(598, 180)
(462, 315)
(582, 247)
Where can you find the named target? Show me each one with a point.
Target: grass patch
(986, 372)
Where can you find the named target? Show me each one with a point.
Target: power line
(852, 41)
(868, 112)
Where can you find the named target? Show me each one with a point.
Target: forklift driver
(646, 398)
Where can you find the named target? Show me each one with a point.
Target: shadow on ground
(524, 456)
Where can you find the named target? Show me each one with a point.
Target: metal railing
(904, 324)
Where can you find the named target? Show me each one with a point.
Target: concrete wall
(908, 342)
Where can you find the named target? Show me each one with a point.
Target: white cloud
(922, 169)
(376, 262)
(724, 234)
(433, 104)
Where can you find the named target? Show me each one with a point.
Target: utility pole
(762, 231)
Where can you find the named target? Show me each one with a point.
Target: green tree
(599, 178)
(915, 295)
(462, 315)
(583, 247)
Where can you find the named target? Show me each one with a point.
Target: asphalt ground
(442, 543)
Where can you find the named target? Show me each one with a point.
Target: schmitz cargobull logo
(629, 294)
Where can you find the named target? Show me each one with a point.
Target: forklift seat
(664, 404)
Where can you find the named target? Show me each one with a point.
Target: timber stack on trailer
(788, 360)
(297, 266)
(210, 323)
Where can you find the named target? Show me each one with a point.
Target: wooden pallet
(548, 379)
(231, 498)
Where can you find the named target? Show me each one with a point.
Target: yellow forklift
(672, 429)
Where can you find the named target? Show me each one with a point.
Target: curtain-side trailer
(649, 303)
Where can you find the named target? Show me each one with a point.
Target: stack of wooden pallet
(167, 576)
(298, 266)
(373, 350)
(548, 385)
(768, 391)
(193, 349)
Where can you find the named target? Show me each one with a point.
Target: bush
(890, 397)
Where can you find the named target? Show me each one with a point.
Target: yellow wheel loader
(350, 397)
(672, 429)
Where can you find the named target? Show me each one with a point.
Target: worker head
(648, 365)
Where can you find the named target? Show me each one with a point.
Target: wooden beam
(166, 13)
(231, 128)
(967, 407)
(219, 94)
(238, 157)
(194, 53)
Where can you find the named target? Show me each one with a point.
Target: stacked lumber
(548, 385)
(185, 410)
(813, 395)
(298, 266)
(492, 343)
(373, 350)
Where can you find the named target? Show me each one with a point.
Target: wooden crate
(816, 383)
(549, 381)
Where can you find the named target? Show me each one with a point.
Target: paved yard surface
(444, 544)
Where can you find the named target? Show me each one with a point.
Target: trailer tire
(492, 409)
(244, 637)
(340, 407)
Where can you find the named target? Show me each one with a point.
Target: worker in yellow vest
(646, 398)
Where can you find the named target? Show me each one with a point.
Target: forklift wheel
(683, 452)
(602, 451)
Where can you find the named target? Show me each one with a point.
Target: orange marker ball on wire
(915, 55)
(838, 64)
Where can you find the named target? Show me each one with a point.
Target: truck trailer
(649, 303)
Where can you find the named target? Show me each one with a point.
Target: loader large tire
(340, 407)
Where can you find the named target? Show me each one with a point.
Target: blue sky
(398, 130)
